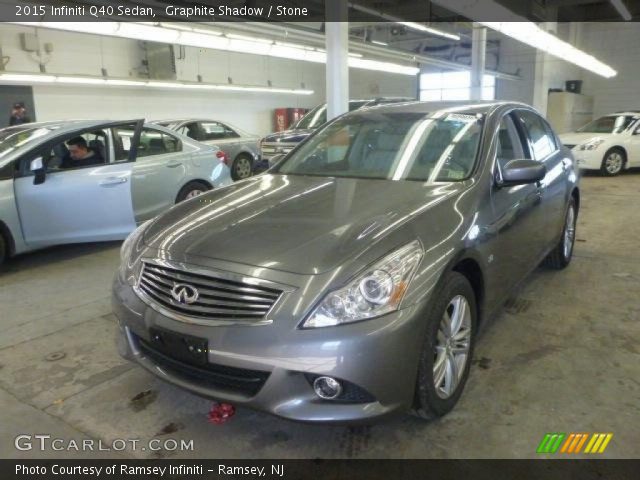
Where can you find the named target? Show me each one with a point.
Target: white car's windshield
(608, 124)
(394, 146)
(17, 137)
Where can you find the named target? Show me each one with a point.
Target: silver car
(349, 281)
(240, 146)
(130, 173)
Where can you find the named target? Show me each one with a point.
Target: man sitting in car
(80, 155)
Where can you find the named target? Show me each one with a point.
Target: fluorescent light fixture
(382, 66)
(622, 9)
(27, 78)
(434, 31)
(531, 34)
(201, 38)
(378, 42)
(186, 28)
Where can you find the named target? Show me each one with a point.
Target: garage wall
(87, 54)
(618, 45)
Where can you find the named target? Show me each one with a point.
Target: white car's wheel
(613, 162)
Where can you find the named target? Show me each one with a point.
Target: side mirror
(520, 172)
(37, 167)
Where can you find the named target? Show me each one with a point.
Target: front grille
(275, 148)
(218, 298)
(219, 377)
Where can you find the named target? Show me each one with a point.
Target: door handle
(108, 182)
(174, 164)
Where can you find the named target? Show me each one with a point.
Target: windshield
(316, 117)
(608, 124)
(14, 138)
(394, 146)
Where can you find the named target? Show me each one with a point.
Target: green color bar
(555, 448)
(542, 448)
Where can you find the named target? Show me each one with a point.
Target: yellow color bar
(606, 442)
(594, 437)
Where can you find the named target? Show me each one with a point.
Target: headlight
(127, 246)
(377, 291)
(591, 145)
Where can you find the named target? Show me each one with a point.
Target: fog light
(327, 388)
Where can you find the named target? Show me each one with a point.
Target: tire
(4, 250)
(613, 162)
(192, 189)
(242, 167)
(432, 401)
(560, 257)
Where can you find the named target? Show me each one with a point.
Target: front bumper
(378, 356)
(588, 159)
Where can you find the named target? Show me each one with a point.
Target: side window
(509, 146)
(80, 150)
(122, 138)
(229, 132)
(191, 130)
(213, 131)
(540, 136)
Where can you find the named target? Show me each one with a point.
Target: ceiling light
(531, 34)
(164, 33)
(382, 66)
(26, 78)
(378, 42)
(622, 9)
(435, 31)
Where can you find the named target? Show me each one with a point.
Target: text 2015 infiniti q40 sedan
(348, 282)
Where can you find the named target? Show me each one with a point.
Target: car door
(545, 148)
(158, 173)
(82, 204)
(220, 135)
(517, 214)
(633, 146)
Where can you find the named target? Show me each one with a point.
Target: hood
(578, 138)
(288, 136)
(298, 224)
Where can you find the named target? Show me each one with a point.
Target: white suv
(609, 144)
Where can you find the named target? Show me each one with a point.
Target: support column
(337, 46)
(478, 50)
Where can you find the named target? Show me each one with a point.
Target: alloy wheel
(243, 168)
(613, 163)
(193, 193)
(451, 351)
(569, 232)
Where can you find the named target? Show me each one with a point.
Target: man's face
(77, 152)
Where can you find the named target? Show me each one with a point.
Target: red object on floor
(221, 412)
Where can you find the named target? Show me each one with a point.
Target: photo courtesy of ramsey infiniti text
(348, 282)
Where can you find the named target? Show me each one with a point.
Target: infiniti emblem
(183, 293)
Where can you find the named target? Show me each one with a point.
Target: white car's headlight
(592, 144)
(379, 290)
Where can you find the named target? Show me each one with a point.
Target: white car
(609, 144)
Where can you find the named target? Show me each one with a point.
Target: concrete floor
(564, 356)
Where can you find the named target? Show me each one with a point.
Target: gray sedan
(348, 282)
(240, 146)
(86, 181)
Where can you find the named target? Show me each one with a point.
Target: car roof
(481, 108)
(63, 125)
